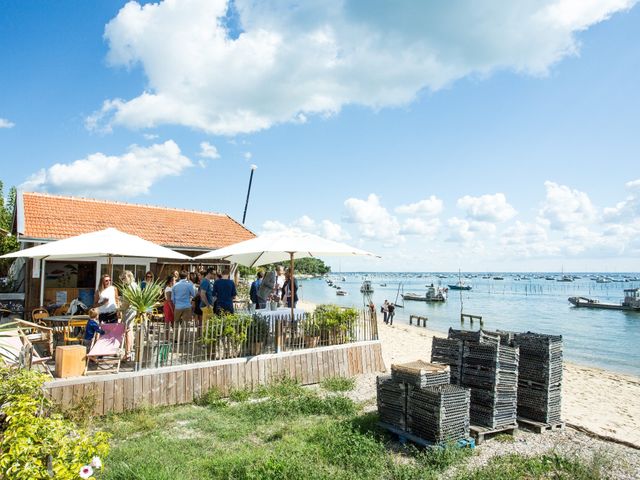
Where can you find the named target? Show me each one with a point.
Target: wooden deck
(185, 383)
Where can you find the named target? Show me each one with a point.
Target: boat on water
(383, 284)
(433, 294)
(341, 293)
(631, 301)
(366, 287)
(565, 278)
(460, 286)
(498, 278)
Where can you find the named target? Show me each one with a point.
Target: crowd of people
(274, 286)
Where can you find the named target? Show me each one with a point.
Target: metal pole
(246, 203)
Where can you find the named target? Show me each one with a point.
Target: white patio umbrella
(282, 246)
(109, 242)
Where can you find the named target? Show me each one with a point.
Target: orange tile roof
(56, 217)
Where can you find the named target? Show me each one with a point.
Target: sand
(598, 401)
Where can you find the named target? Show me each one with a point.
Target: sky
(472, 135)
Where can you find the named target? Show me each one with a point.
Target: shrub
(35, 443)
(336, 323)
(338, 384)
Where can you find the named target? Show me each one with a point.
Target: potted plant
(336, 323)
(257, 333)
(141, 301)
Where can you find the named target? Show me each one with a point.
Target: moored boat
(433, 294)
(631, 301)
(460, 286)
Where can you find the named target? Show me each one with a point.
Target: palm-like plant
(141, 300)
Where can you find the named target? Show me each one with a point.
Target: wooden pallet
(482, 433)
(404, 437)
(539, 427)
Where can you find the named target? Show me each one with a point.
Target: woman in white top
(106, 300)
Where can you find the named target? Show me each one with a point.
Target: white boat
(433, 294)
(341, 293)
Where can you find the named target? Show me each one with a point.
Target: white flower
(96, 462)
(86, 471)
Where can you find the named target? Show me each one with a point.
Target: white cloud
(98, 175)
(293, 60)
(419, 226)
(459, 230)
(326, 228)
(373, 220)
(487, 208)
(208, 151)
(429, 207)
(150, 136)
(565, 208)
(4, 123)
(627, 210)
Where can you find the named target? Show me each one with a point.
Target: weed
(284, 387)
(504, 438)
(439, 458)
(240, 394)
(338, 384)
(212, 398)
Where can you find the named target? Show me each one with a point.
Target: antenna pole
(246, 203)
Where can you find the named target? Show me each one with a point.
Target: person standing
(385, 311)
(287, 289)
(181, 295)
(106, 300)
(206, 293)
(148, 278)
(280, 279)
(225, 291)
(255, 288)
(167, 308)
(392, 312)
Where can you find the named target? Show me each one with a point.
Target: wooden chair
(74, 331)
(37, 334)
(38, 314)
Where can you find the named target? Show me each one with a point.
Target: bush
(336, 323)
(338, 384)
(35, 443)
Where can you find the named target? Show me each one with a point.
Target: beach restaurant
(40, 218)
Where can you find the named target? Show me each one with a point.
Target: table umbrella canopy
(278, 247)
(103, 243)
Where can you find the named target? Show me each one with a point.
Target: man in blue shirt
(206, 288)
(181, 295)
(225, 291)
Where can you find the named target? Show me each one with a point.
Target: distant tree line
(307, 266)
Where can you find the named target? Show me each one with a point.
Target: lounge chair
(17, 351)
(107, 350)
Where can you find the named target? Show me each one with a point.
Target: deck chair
(17, 351)
(74, 331)
(107, 350)
(37, 334)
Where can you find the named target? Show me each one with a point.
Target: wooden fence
(185, 383)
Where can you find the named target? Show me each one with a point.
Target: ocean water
(607, 339)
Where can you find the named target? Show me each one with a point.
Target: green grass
(338, 384)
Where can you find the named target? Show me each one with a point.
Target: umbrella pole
(291, 290)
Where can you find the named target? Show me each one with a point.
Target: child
(92, 327)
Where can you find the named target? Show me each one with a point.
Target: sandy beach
(599, 401)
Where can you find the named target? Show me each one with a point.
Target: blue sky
(472, 135)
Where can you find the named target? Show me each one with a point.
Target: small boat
(383, 284)
(341, 293)
(565, 278)
(344, 279)
(433, 294)
(460, 286)
(498, 278)
(366, 287)
(631, 301)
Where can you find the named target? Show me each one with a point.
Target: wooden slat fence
(185, 383)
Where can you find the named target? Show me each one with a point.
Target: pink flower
(96, 462)
(86, 471)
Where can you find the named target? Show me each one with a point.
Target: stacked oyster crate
(448, 351)
(490, 371)
(540, 377)
(418, 401)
